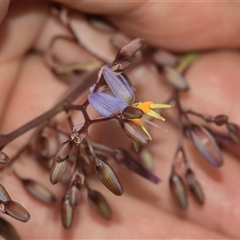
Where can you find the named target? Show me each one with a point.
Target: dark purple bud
(16, 211)
(207, 145)
(129, 50)
(7, 229)
(43, 146)
(178, 190)
(57, 171)
(38, 191)
(220, 119)
(175, 79)
(132, 112)
(107, 176)
(135, 132)
(99, 204)
(194, 187)
(64, 151)
(125, 158)
(165, 58)
(234, 132)
(3, 157)
(66, 213)
(4, 196)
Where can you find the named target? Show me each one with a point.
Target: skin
(145, 210)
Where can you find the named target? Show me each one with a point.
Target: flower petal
(119, 85)
(105, 104)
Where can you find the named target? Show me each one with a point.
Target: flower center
(144, 106)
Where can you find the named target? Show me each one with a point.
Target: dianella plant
(101, 92)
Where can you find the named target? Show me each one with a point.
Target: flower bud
(16, 211)
(175, 79)
(129, 49)
(132, 112)
(38, 191)
(66, 213)
(57, 171)
(4, 196)
(220, 119)
(178, 190)
(64, 151)
(107, 176)
(99, 204)
(135, 132)
(234, 132)
(3, 157)
(207, 145)
(164, 57)
(146, 159)
(194, 187)
(125, 158)
(74, 192)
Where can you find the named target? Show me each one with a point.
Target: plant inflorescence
(64, 148)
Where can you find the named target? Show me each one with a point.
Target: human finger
(177, 26)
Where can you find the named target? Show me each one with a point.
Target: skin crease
(145, 210)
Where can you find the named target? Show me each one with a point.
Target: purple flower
(121, 96)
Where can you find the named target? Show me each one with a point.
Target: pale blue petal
(105, 104)
(119, 85)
